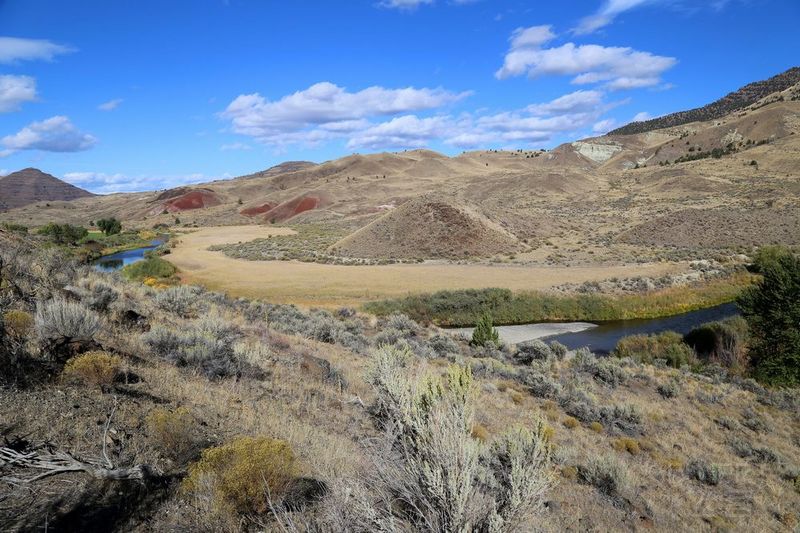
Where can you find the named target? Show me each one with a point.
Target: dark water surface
(110, 263)
(605, 336)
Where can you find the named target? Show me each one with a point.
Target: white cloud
(535, 123)
(535, 36)
(56, 134)
(4, 172)
(626, 82)
(604, 126)
(639, 117)
(569, 103)
(15, 90)
(404, 4)
(408, 131)
(111, 105)
(235, 146)
(379, 119)
(14, 49)
(410, 5)
(325, 110)
(606, 15)
(103, 183)
(619, 67)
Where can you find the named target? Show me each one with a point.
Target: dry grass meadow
(313, 284)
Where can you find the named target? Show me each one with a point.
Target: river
(113, 262)
(603, 337)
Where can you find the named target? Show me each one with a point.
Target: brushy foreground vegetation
(130, 408)
(463, 307)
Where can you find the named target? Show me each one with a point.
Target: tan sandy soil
(330, 285)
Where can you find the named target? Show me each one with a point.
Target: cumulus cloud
(569, 103)
(535, 123)
(606, 15)
(619, 67)
(14, 91)
(408, 131)
(14, 49)
(379, 118)
(325, 110)
(108, 183)
(56, 134)
(111, 105)
(644, 115)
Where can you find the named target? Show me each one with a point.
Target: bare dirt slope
(428, 227)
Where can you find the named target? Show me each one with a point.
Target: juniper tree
(485, 332)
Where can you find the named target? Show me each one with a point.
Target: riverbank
(102, 245)
(462, 308)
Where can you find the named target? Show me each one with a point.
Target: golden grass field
(313, 284)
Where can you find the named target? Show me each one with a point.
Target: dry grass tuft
(174, 431)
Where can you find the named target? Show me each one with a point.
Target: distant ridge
(282, 168)
(31, 185)
(747, 95)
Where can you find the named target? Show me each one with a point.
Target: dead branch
(54, 463)
(355, 400)
(109, 464)
(51, 464)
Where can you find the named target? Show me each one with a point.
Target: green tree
(485, 332)
(109, 226)
(772, 310)
(63, 233)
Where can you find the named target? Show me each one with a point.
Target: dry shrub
(62, 319)
(517, 397)
(570, 422)
(607, 473)
(430, 473)
(92, 368)
(569, 472)
(480, 432)
(704, 472)
(18, 323)
(626, 444)
(174, 431)
(244, 475)
(597, 427)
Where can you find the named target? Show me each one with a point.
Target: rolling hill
(590, 201)
(31, 185)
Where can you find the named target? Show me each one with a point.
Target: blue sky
(123, 96)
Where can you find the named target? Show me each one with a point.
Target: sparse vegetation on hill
(31, 185)
(735, 101)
